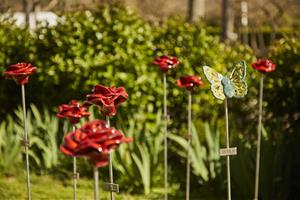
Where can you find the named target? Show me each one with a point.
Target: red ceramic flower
(94, 141)
(189, 82)
(73, 111)
(107, 98)
(166, 62)
(264, 65)
(20, 72)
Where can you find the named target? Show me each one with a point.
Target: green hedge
(111, 46)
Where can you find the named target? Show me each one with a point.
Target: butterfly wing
(237, 78)
(215, 82)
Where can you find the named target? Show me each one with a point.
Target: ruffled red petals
(264, 65)
(107, 98)
(94, 141)
(20, 72)
(189, 82)
(166, 62)
(73, 111)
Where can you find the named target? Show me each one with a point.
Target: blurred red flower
(73, 111)
(166, 62)
(264, 65)
(107, 98)
(94, 141)
(20, 72)
(189, 82)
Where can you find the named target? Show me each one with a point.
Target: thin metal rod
(165, 139)
(188, 163)
(259, 127)
(107, 122)
(74, 173)
(96, 184)
(26, 141)
(74, 178)
(111, 175)
(227, 146)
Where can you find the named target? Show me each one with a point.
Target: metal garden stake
(75, 174)
(96, 183)
(165, 138)
(26, 142)
(188, 163)
(259, 127)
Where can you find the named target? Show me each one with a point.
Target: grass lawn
(44, 187)
(47, 187)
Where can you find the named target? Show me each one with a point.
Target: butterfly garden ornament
(223, 87)
(233, 85)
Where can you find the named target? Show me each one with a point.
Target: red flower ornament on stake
(264, 66)
(165, 63)
(20, 72)
(74, 112)
(107, 99)
(95, 141)
(189, 83)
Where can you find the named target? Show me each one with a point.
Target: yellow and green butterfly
(230, 86)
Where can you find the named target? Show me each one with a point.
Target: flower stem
(74, 173)
(96, 183)
(26, 142)
(165, 139)
(111, 175)
(189, 146)
(107, 122)
(227, 146)
(259, 128)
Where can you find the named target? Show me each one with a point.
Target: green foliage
(16, 44)
(141, 158)
(111, 46)
(276, 180)
(45, 127)
(42, 134)
(204, 157)
(285, 80)
(10, 148)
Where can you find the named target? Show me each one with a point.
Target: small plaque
(188, 136)
(166, 118)
(228, 151)
(25, 143)
(75, 175)
(111, 187)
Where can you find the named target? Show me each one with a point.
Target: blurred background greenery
(113, 45)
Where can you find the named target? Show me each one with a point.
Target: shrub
(112, 46)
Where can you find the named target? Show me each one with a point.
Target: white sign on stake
(228, 151)
(111, 187)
